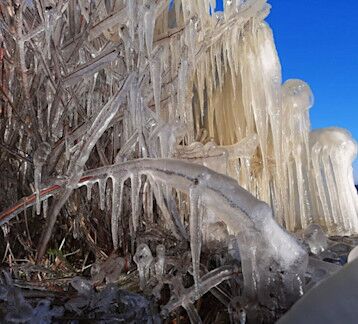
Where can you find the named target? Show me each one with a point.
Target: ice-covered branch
(272, 260)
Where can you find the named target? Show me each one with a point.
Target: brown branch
(29, 201)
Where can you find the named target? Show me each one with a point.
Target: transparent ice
(173, 119)
(315, 238)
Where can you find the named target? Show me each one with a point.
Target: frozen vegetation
(157, 144)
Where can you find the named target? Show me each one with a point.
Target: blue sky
(317, 41)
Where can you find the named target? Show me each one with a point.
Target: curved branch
(272, 260)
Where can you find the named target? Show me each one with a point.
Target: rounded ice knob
(298, 94)
(315, 238)
(143, 255)
(143, 259)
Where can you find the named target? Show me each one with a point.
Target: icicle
(6, 229)
(89, 191)
(135, 191)
(201, 88)
(67, 146)
(178, 6)
(149, 23)
(143, 259)
(84, 9)
(196, 214)
(40, 157)
(160, 262)
(191, 40)
(48, 31)
(213, 67)
(132, 17)
(102, 193)
(45, 207)
(148, 201)
(117, 202)
(182, 86)
(156, 77)
(218, 67)
(232, 70)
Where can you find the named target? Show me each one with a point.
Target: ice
(89, 192)
(233, 248)
(333, 151)
(40, 158)
(206, 147)
(19, 310)
(217, 232)
(132, 17)
(187, 297)
(321, 304)
(149, 21)
(237, 208)
(160, 260)
(143, 258)
(316, 238)
(136, 184)
(169, 135)
(156, 77)
(182, 84)
(196, 224)
(117, 202)
(108, 270)
(353, 255)
(102, 192)
(83, 286)
(45, 207)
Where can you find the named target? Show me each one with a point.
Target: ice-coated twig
(39, 159)
(190, 295)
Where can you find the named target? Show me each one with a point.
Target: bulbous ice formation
(333, 150)
(316, 238)
(297, 98)
(143, 258)
(297, 94)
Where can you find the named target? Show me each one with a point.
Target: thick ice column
(297, 98)
(333, 150)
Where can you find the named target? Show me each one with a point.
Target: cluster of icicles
(194, 111)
